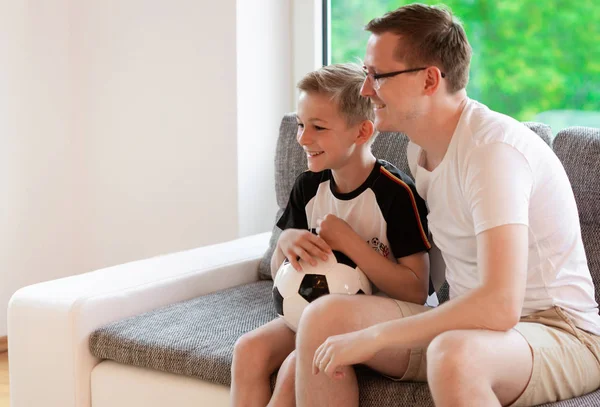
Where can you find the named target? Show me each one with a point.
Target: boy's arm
(405, 215)
(276, 260)
(407, 280)
(293, 218)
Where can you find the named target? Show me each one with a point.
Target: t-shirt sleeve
(498, 182)
(407, 222)
(294, 215)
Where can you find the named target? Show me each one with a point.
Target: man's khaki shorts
(566, 359)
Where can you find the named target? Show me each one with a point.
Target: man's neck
(354, 174)
(435, 133)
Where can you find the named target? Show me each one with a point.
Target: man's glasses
(375, 77)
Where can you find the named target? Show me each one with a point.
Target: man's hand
(335, 231)
(344, 350)
(296, 243)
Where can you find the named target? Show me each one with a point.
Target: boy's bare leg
(478, 368)
(256, 356)
(334, 315)
(284, 394)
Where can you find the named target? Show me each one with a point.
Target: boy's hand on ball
(296, 243)
(334, 231)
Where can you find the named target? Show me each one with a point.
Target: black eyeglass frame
(390, 74)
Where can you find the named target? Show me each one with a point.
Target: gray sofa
(196, 337)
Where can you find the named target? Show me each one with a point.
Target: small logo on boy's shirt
(379, 247)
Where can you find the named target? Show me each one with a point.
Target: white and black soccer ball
(293, 290)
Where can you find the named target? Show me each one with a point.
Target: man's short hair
(430, 35)
(342, 82)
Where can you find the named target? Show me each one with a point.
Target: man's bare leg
(284, 394)
(334, 315)
(256, 356)
(478, 368)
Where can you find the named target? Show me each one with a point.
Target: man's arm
(497, 186)
(496, 305)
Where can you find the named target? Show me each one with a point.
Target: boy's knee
(325, 313)
(289, 366)
(250, 350)
(287, 372)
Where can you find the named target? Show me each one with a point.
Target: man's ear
(433, 79)
(366, 128)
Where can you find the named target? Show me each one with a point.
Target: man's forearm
(396, 280)
(480, 309)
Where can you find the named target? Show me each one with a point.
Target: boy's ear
(365, 131)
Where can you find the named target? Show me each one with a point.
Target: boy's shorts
(566, 359)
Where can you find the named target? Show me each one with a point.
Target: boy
(348, 192)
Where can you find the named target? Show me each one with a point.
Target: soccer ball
(293, 290)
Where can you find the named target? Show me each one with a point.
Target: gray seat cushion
(193, 338)
(196, 337)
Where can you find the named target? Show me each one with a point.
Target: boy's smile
(331, 143)
(323, 132)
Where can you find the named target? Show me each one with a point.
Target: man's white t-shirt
(497, 172)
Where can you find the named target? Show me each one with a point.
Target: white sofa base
(117, 385)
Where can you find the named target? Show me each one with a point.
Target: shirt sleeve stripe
(412, 199)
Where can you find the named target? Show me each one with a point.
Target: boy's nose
(304, 138)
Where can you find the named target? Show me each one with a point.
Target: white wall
(158, 87)
(307, 35)
(265, 94)
(279, 41)
(119, 130)
(38, 228)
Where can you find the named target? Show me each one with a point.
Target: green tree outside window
(532, 60)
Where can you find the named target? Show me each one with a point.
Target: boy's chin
(315, 168)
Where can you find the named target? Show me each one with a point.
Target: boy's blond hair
(342, 82)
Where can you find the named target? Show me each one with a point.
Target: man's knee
(451, 354)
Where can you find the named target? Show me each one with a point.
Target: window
(531, 60)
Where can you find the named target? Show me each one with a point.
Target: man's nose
(366, 89)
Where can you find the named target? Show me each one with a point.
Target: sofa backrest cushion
(579, 150)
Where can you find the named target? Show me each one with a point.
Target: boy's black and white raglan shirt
(385, 210)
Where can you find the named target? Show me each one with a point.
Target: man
(522, 324)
